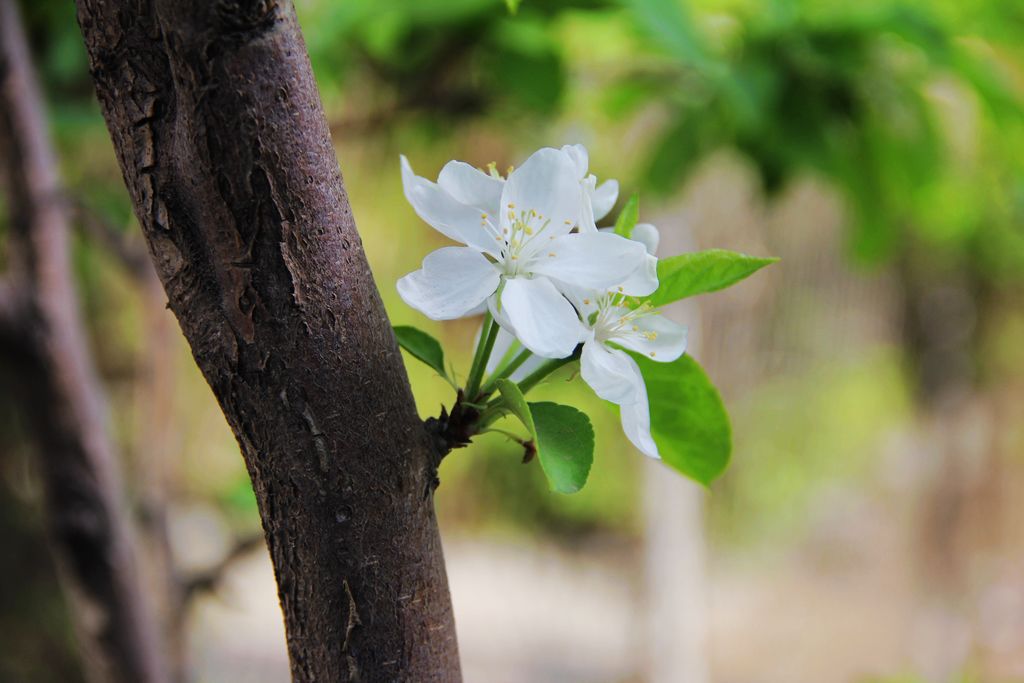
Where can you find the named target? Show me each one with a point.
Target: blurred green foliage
(865, 94)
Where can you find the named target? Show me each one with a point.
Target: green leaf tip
(563, 436)
(688, 419)
(422, 347)
(687, 275)
(628, 217)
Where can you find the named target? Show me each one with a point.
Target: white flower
(472, 186)
(520, 254)
(597, 200)
(612, 373)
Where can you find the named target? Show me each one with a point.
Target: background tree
(44, 345)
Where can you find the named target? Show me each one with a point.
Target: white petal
(636, 423)
(643, 280)
(587, 218)
(603, 198)
(648, 235)
(584, 300)
(591, 260)
(547, 184)
(506, 347)
(451, 284)
(644, 233)
(471, 186)
(445, 214)
(580, 158)
(656, 337)
(611, 373)
(543, 320)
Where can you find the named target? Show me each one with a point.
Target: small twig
(209, 581)
(101, 230)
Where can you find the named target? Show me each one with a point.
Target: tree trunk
(44, 343)
(225, 151)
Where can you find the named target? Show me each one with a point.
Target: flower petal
(592, 260)
(580, 158)
(636, 423)
(547, 184)
(506, 347)
(648, 235)
(656, 337)
(471, 186)
(588, 222)
(611, 373)
(643, 280)
(452, 282)
(603, 198)
(644, 233)
(445, 214)
(543, 320)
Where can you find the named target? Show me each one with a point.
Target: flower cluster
(535, 263)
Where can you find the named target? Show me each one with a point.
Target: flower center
(614, 320)
(522, 242)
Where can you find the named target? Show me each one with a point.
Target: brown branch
(209, 581)
(225, 150)
(100, 230)
(61, 395)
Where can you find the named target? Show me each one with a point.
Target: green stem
(483, 352)
(535, 377)
(515, 437)
(496, 407)
(505, 371)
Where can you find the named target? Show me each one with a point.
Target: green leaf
(563, 436)
(516, 403)
(421, 346)
(565, 445)
(688, 420)
(513, 5)
(628, 217)
(700, 272)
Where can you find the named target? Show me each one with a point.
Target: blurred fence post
(675, 550)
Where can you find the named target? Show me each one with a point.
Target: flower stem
(483, 352)
(505, 371)
(496, 407)
(535, 377)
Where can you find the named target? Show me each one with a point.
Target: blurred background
(869, 528)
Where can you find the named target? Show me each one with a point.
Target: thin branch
(209, 581)
(99, 229)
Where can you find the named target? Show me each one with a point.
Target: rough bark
(44, 345)
(225, 151)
